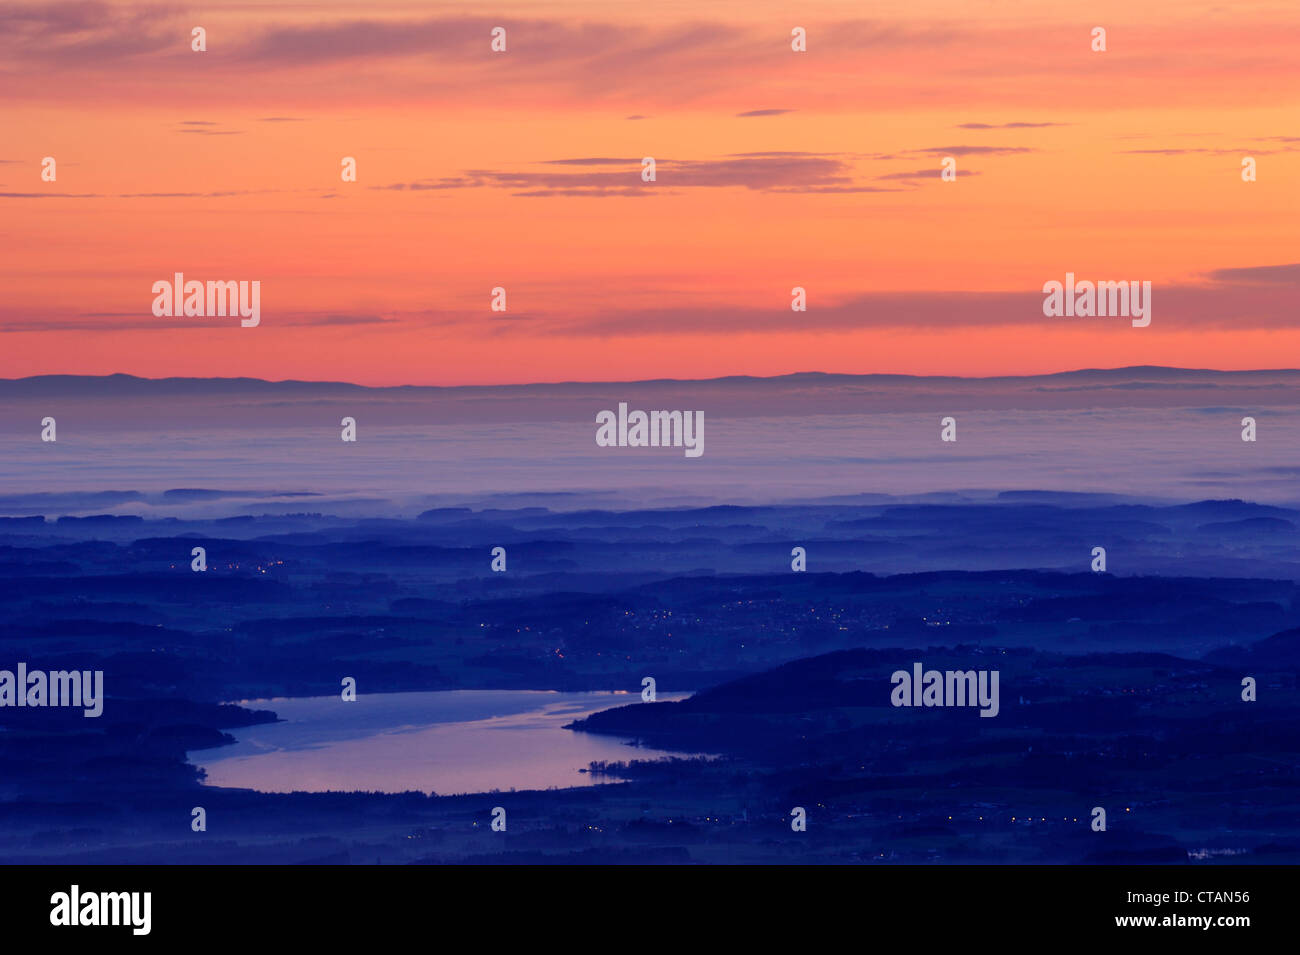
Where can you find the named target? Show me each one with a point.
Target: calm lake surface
(454, 741)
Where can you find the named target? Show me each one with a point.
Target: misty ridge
(808, 393)
(528, 598)
(1150, 434)
(550, 535)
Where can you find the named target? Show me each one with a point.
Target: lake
(452, 741)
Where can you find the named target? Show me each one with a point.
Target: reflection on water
(457, 741)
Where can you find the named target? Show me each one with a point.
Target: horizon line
(650, 381)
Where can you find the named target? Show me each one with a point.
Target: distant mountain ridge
(121, 400)
(125, 385)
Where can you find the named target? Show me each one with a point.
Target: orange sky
(522, 170)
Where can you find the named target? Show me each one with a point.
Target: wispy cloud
(204, 127)
(1256, 297)
(975, 150)
(217, 194)
(13, 320)
(782, 172)
(1255, 150)
(1285, 274)
(932, 172)
(402, 55)
(1008, 125)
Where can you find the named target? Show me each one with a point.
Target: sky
(523, 170)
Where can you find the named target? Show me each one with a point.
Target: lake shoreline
(436, 742)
